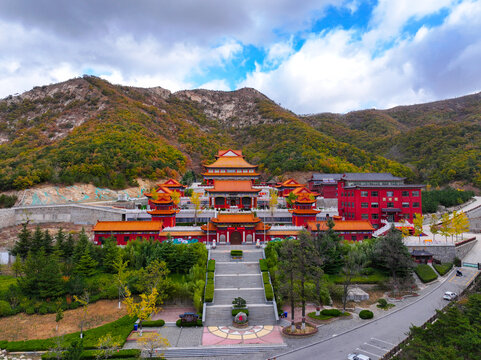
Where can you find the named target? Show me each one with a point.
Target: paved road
(378, 336)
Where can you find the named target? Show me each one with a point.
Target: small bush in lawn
(366, 314)
(211, 265)
(331, 312)
(5, 308)
(425, 273)
(153, 323)
(263, 265)
(382, 303)
(265, 277)
(236, 253)
(236, 311)
(442, 269)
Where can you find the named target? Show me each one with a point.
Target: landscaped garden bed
(442, 269)
(309, 330)
(236, 254)
(327, 315)
(425, 273)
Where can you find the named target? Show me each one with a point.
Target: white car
(358, 357)
(449, 295)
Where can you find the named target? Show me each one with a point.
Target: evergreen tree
(24, 242)
(68, 247)
(47, 242)
(60, 242)
(110, 254)
(82, 245)
(37, 239)
(42, 278)
(86, 265)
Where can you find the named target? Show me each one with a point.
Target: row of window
(375, 193)
(231, 170)
(373, 216)
(365, 205)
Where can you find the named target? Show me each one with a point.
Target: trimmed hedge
(236, 311)
(210, 275)
(265, 277)
(211, 265)
(121, 327)
(442, 269)
(209, 291)
(425, 273)
(269, 292)
(190, 324)
(366, 314)
(153, 323)
(93, 354)
(236, 253)
(263, 265)
(331, 312)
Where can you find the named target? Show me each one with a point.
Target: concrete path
(238, 278)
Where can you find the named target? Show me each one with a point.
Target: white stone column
(244, 236)
(228, 239)
(217, 237)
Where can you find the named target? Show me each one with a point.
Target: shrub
(209, 292)
(265, 277)
(263, 265)
(366, 314)
(367, 271)
(210, 275)
(93, 354)
(457, 262)
(331, 312)
(211, 265)
(269, 292)
(30, 310)
(442, 269)
(153, 323)
(236, 311)
(425, 273)
(236, 253)
(382, 303)
(5, 308)
(189, 324)
(239, 303)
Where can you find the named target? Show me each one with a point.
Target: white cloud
(217, 84)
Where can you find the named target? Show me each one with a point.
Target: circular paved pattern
(228, 335)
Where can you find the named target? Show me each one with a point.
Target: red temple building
(376, 197)
(230, 165)
(162, 209)
(353, 230)
(287, 186)
(228, 193)
(125, 231)
(304, 206)
(172, 185)
(325, 184)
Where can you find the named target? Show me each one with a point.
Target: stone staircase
(234, 278)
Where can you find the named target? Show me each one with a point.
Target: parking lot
(468, 276)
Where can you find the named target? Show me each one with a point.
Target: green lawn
(425, 273)
(375, 278)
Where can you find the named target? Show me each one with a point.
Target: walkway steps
(210, 352)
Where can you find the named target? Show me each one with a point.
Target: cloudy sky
(309, 56)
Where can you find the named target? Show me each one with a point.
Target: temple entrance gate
(235, 238)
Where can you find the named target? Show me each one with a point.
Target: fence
(397, 350)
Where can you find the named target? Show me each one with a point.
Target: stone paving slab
(177, 337)
(238, 281)
(237, 268)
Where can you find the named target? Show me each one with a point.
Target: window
(364, 205)
(390, 205)
(415, 193)
(374, 205)
(389, 193)
(353, 237)
(405, 193)
(374, 193)
(365, 216)
(405, 204)
(364, 193)
(415, 204)
(374, 216)
(366, 237)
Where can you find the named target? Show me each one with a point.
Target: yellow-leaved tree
(433, 225)
(405, 229)
(84, 301)
(195, 200)
(274, 198)
(460, 223)
(142, 309)
(151, 342)
(175, 197)
(418, 221)
(445, 228)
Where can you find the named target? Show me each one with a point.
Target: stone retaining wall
(463, 249)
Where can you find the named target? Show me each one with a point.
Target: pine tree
(68, 247)
(24, 243)
(82, 244)
(47, 242)
(110, 254)
(37, 239)
(60, 242)
(86, 265)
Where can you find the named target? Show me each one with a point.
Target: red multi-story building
(288, 186)
(376, 197)
(304, 206)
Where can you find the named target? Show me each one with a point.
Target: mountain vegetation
(88, 130)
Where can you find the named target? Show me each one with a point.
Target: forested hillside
(441, 141)
(88, 130)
